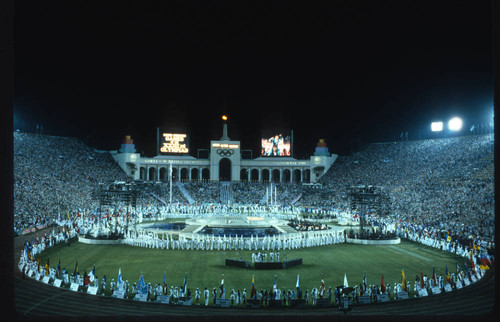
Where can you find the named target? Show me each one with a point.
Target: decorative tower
(321, 161)
(321, 149)
(128, 145)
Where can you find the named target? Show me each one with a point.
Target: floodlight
(455, 124)
(436, 126)
(224, 117)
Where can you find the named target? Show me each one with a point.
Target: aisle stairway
(185, 193)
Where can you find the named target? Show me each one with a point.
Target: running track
(35, 300)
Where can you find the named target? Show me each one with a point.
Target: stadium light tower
(436, 126)
(455, 124)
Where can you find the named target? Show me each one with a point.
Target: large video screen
(279, 145)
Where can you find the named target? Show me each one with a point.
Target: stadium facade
(224, 163)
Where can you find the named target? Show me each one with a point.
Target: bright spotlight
(436, 126)
(455, 124)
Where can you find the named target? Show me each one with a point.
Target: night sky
(345, 71)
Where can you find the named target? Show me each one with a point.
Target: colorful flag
(297, 285)
(382, 285)
(472, 266)
(164, 278)
(184, 285)
(275, 286)
(76, 268)
(59, 268)
(364, 282)
(142, 287)
(422, 283)
(222, 293)
(119, 283)
(86, 279)
(92, 274)
(467, 273)
(485, 260)
(448, 280)
(47, 267)
(403, 281)
(322, 287)
(434, 276)
(39, 265)
(345, 281)
(253, 291)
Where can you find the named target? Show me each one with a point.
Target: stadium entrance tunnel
(225, 169)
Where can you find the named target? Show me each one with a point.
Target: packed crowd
(433, 185)
(55, 175)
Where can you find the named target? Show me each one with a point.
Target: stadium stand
(441, 185)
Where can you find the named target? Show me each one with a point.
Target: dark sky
(339, 70)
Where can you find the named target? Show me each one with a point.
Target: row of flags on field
(143, 286)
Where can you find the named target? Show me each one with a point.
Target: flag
(364, 282)
(47, 267)
(164, 277)
(448, 280)
(434, 276)
(472, 266)
(403, 281)
(466, 270)
(296, 285)
(382, 285)
(253, 291)
(59, 268)
(119, 283)
(92, 274)
(76, 268)
(222, 287)
(142, 287)
(422, 284)
(345, 281)
(275, 286)
(485, 260)
(448, 239)
(86, 280)
(322, 287)
(38, 264)
(184, 285)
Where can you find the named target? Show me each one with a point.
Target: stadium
(358, 236)
(251, 159)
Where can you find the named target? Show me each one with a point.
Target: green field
(205, 268)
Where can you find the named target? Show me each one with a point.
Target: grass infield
(205, 268)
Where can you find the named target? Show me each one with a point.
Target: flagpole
(170, 177)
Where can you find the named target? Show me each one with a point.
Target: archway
(254, 175)
(265, 175)
(195, 174)
(286, 175)
(244, 175)
(163, 174)
(296, 175)
(205, 174)
(276, 175)
(307, 176)
(225, 169)
(152, 174)
(142, 173)
(184, 174)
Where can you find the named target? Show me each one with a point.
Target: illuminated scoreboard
(174, 143)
